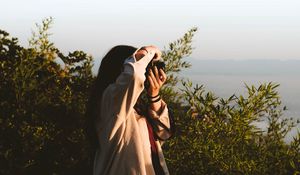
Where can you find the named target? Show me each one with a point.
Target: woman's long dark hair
(110, 68)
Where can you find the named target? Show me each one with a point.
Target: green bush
(44, 93)
(42, 106)
(218, 136)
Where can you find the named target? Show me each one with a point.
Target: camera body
(158, 64)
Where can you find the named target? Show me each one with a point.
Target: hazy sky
(228, 29)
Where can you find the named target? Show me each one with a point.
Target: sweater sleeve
(120, 97)
(130, 84)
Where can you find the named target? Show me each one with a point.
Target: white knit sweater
(122, 132)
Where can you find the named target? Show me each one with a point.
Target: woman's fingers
(156, 50)
(160, 75)
(157, 54)
(156, 79)
(152, 76)
(163, 76)
(157, 76)
(150, 81)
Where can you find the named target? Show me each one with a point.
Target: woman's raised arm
(119, 98)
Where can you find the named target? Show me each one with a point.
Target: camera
(158, 64)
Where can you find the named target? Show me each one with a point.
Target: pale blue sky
(228, 29)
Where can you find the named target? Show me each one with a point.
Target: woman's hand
(145, 50)
(156, 79)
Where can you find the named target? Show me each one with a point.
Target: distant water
(225, 78)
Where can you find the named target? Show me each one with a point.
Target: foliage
(43, 96)
(218, 136)
(42, 106)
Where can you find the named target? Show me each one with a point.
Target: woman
(128, 137)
